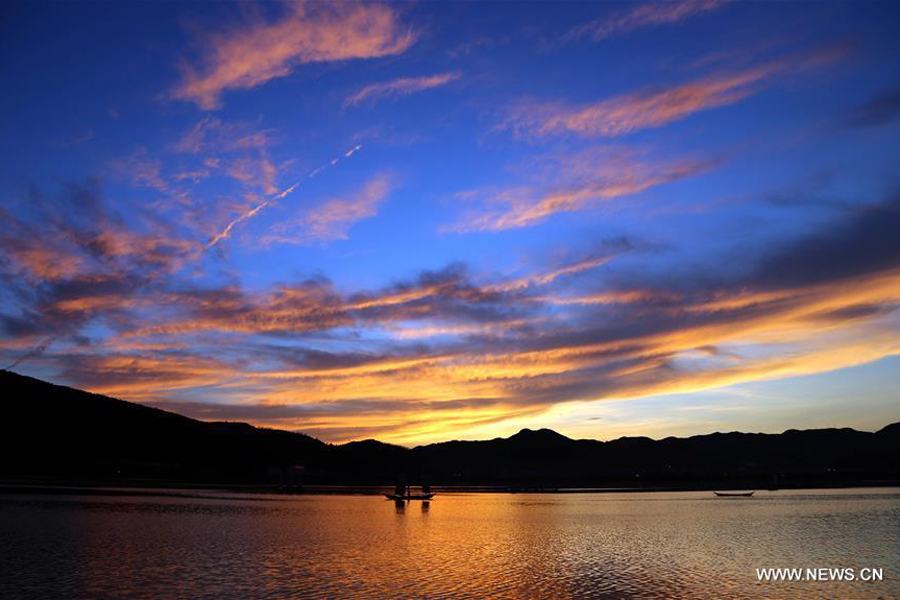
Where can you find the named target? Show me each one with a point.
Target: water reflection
(517, 547)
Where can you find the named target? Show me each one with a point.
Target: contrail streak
(36, 351)
(252, 212)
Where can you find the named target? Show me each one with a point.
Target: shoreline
(202, 491)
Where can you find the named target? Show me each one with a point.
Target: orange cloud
(246, 57)
(403, 86)
(466, 389)
(137, 377)
(45, 263)
(642, 15)
(551, 276)
(400, 297)
(653, 108)
(301, 308)
(617, 297)
(444, 354)
(610, 177)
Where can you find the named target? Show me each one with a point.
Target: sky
(427, 221)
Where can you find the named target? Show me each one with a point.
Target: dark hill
(58, 432)
(63, 431)
(893, 430)
(541, 437)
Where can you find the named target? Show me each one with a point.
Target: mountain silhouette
(52, 429)
(540, 437)
(57, 432)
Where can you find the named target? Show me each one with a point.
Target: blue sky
(423, 221)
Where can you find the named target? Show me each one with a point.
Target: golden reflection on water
(493, 546)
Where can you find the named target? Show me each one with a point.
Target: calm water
(649, 545)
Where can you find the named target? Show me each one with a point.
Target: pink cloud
(578, 182)
(644, 109)
(403, 86)
(212, 135)
(652, 108)
(244, 58)
(642, 15)
(333, 219)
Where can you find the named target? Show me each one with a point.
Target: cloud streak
(332, 219)
(497, 351)
(882, 109)
(605, 267)
(580, 181)
(478, 354)
(253, 211)
(258, 51)
(403, 86)
(653, 108)
(643, 15)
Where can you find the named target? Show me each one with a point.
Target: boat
(403, 492)
(409, 496)
(733, 494)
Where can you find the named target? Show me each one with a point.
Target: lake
(475, 546)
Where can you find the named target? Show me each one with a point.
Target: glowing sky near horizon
(425, 221)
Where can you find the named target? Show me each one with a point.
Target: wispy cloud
(652, 108)
(75, 140)
(403, 86)
(332, 219)
(882, 109)
(211, 135)
(106, 284)
(75, 260)
(542, 279)
(258, 51)
(268, 182)
(643, 15)
(579, 181)
(455, 354)
(254, 172)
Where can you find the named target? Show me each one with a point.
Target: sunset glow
(420, 222)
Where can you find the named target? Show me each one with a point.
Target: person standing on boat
(400, 490)
(426, 489)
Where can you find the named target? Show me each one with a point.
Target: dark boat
(404, 492)
(409, 497)
(733, 494)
